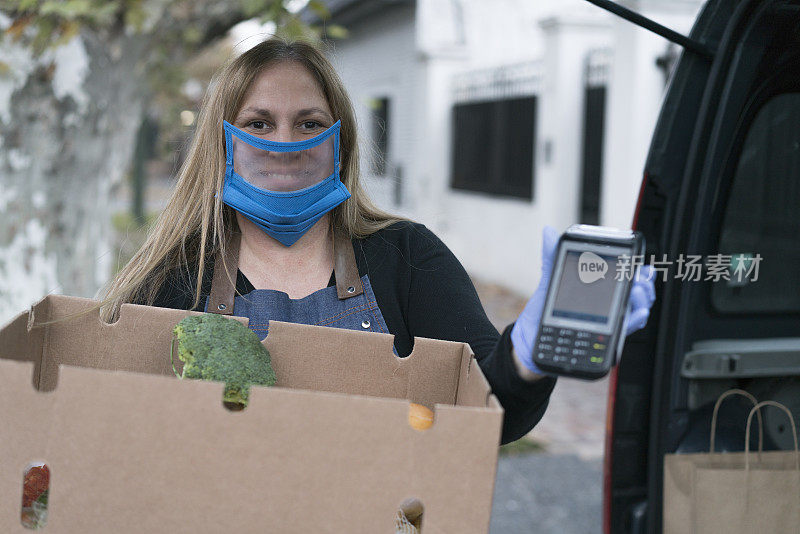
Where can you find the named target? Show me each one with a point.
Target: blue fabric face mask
(284, 188)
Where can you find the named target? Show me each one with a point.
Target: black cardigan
(422, 290)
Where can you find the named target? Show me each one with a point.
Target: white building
(503, 116)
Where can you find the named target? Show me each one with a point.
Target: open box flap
(304, 356)
(473, 388)
(364, 363)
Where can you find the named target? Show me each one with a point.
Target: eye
(257, 125)
(311, 125)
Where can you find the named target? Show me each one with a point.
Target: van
(721, 184)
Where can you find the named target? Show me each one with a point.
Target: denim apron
(349, 304)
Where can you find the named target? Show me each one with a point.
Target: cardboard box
(328, 449)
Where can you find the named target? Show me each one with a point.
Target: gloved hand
(523, 334)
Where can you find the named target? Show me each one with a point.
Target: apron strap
(223, 288)
(348, 283)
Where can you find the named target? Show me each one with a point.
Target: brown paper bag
(733, 493)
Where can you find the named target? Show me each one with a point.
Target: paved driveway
(547, 494)
(558, 491)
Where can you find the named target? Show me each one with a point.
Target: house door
(594, 111)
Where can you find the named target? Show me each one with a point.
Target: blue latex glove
(523, 334)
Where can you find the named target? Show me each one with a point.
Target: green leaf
(25, 5)
(192, 35)
(135, 16)
(68, 9)
(335, 31)
(106, 12)
(251, 8)
(319, 8)
(292, 29)
(67, 31)
(46, 26)
(277, 11)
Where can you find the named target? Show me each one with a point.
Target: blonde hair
(195, 223)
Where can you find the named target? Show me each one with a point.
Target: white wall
(412, 54)
(635, 93)
(500, 239)
(500, 32)
(379, 59)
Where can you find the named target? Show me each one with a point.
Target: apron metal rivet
(221, 307)
(351, 289)
(365, 324)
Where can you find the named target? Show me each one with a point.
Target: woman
(266, 222)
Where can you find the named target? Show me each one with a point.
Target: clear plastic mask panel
(283, 171)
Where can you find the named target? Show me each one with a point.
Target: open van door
(722, 183)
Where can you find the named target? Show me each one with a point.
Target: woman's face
(286, 104)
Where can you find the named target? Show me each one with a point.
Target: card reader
(581, 331)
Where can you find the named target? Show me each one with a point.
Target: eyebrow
(266, 113)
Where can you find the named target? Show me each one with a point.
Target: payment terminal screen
(586, 288)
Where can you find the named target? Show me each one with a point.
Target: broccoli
(213, 347)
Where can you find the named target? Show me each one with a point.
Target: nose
(283, 134)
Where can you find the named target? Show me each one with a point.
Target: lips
(283, 181)
(283, 172)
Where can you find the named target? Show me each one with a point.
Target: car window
(761, 226)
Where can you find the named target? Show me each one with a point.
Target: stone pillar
(569, 38)
(635, 94)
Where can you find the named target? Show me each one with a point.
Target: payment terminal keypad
(578, 348)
